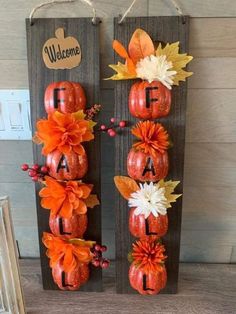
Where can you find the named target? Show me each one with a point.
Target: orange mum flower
(65, 198)
(64, 131)
(70, 252)
(153, 137)
(148, 255)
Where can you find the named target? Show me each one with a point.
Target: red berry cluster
(36, 172)
(98, 260)
(91, 112)
(110, 130)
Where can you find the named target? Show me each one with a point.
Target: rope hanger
(177, 7)
(95, 20)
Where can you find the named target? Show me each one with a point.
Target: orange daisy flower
(148, 255)
(70, 252)
(153, 137)
(65, 198)
(64, 131)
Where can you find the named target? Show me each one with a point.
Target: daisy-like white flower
(156, 68)
(150, 199)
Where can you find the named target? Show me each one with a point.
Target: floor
(203, 289)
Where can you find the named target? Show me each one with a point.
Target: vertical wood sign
(87, 74)
(165, 30)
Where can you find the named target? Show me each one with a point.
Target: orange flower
(64, 132)
(148, 255)
(153, 137)
(65, 198)
(70, 254)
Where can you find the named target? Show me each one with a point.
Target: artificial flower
(65, 198)
(64, 131)
(153, 68)
(149, 199)
(148, 255)
(143, 61)
(70, 253)
(153, 137)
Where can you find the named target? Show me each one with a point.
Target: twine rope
(177, 7)
(51, 2)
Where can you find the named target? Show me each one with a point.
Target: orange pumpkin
(143, 167)
(150, 282)
(149, 100)
(67, 167)
(65, 96)
(71, 280)
(69, 228)
(140, 227)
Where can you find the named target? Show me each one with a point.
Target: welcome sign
(61, 52)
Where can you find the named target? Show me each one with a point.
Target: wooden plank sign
(165, 30)
(77, 38)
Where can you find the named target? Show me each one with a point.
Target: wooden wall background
(209, 213)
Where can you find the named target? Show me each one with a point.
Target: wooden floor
(203, 289)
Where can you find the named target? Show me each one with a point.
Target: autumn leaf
(82, 242)
(169, 189)
(120, 49)
(79, 115)
(126, 186)
(36, 140)
(123, 72)
(179, 61)
(140, 46)
(92, 201)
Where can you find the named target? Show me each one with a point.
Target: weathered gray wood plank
(203, 253)
(208, 237)
(214, 177)
(212, 37)
(165, 29)
(213, 154)
(211, 114)
(194, 8)
(213, 73)
(87, 74)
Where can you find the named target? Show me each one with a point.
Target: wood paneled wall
(209, 214)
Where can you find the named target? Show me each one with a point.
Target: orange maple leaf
(126, 186)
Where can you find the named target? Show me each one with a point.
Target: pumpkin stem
(60, 33)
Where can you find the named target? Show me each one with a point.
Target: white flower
(149, 199)
(154, 68)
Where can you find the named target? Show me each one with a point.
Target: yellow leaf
(79, 115)
(122, 72)
(92, 124)
(81, 242)
(126, 186)
(181, 76)
(179, 61)
(36, 139)
(92, 201)
(169, 189)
